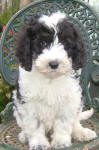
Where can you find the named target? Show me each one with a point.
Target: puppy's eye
(63, 41)
(43, 43)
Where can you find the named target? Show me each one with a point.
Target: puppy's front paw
(39, 143)
(61, 142)
(40, 147)
(60, 146)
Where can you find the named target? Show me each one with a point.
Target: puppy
(48, 96)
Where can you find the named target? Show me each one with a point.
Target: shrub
(5, 16)
(5, 93)
(8, 12)
(5, 89)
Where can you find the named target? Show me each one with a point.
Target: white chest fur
(50, 98)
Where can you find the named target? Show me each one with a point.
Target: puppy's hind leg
(82, 134)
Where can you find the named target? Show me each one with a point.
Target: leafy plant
(5, 89)
(5, 93)
(5, 16)
(8, 12)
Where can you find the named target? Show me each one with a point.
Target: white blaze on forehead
(55, 52)
(52, 21)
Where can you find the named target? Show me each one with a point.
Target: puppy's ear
(78, 49)
(23, 48)
(24, 44)
(70, 36)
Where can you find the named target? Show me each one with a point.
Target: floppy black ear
(23, 48)
(24, 44)
(73, 43)
(78, 49)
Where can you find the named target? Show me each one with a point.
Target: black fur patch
(18, 92)
(19, 96)
(70, 37)
(30, 42)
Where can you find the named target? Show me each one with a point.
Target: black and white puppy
(48, 96)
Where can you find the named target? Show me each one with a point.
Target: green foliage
(5, 93)
(9, 12)
(5, 16)
(5, 89)
(15, 6)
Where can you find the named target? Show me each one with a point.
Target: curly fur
(48, 95)
(70, 37)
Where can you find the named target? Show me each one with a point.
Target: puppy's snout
(53, 64)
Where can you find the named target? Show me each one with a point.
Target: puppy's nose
(53, 64)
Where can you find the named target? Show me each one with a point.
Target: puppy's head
(51, 44)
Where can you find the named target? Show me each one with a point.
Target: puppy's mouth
(52, 74)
